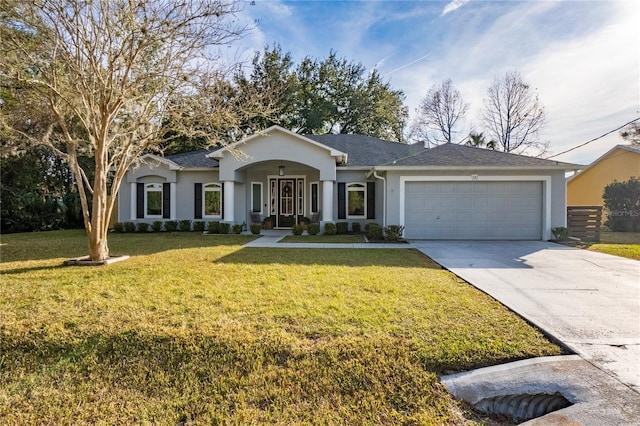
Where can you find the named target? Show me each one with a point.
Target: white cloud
(455, 4)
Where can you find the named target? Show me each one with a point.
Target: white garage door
(473, 210)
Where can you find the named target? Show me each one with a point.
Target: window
(356, 200)
(212, 199)
(153, 200)
(256, 197)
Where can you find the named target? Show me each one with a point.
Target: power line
(594, 139)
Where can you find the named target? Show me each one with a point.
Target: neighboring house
(620, 163)
(447, 192)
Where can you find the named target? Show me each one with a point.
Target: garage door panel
(473, 210)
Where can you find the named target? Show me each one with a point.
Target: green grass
(624, 244)
(196, 329)
(324, 239)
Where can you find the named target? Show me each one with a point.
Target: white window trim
(546, 190)
(261, 198)
(146, 209)
(204, 191)
(364, 191)
(317, 184)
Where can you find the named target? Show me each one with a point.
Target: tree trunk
(98, 247)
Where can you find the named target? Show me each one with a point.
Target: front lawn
(625, 244)
(196, 329)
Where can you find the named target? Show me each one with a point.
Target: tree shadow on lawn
(407, 258)
(73, 243)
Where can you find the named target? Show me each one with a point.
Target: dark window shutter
(342, 200)
(371, 200)
(314, 198)
(166, 200)
(222, 201)
(140, 201)
(197, 196)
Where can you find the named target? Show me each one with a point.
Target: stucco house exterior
(447, 192)
(620, 163)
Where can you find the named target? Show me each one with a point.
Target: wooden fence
(584, 222)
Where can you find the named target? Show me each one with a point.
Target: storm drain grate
(523, 407)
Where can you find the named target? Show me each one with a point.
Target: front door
(286, 195)
(287, 200)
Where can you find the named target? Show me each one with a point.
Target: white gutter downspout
(384, 195)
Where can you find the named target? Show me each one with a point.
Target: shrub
(237, 229)
(170, 226)
(329, 228)
(297, 229)
(129, 227)
(184, 225)
(313, 229)
(393, 232)
(622, 201)
(118, 227)
(198, 226)
(214, 227)
(267, 223)
(342, 228)
(560, 233)
(142, 226)
(255, 228)
(156, 226)
(373, 231)
(355, 227)
(224, 227)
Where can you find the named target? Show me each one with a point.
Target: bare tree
(514, 115)
(631, 133)
(110, 77)
(438, 114)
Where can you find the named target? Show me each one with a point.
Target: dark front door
(286, 203)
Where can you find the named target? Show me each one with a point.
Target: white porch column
(327, 201)
(134, 190)
(228, 202)
(173, 197)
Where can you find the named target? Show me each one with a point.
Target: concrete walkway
(271, 237)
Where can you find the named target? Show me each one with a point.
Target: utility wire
(594, 139)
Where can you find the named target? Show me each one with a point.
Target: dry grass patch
(197, 329)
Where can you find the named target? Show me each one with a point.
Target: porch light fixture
(280, 170)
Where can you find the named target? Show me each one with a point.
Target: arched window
(356, 200)
(153, 199)
(212, 206)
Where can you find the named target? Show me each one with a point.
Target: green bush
(198, 226)
(255, 228)
(170, 226)
(214, 227)
(142, 226)
(393, 232)
(237, 229)
(342, 228)
(329, 228)
(129, 227)
(224, 228)
(118, 227)
(622, 202)
(156, 226)
(297, 229)
(313, 229)
(184, 225)
(355, 227)
(560, 233)
(373, 231)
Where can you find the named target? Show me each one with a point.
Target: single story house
(620, 163)
(447, 192)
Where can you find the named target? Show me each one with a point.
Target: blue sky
(583, 57)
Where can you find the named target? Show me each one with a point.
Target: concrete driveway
(589, 301)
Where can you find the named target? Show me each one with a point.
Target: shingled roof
(366, 151)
